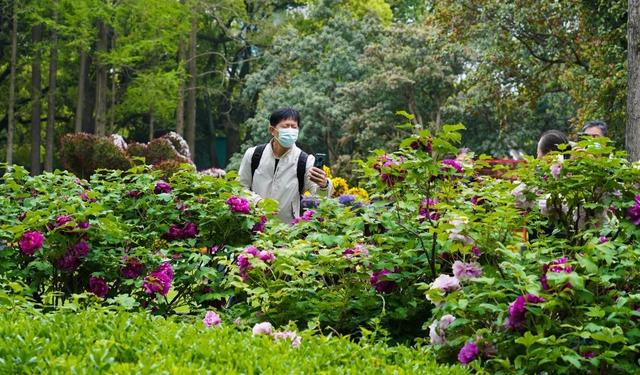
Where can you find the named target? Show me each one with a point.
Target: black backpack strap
(302, 169)
(255, 159)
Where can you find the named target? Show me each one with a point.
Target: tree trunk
(101, 81)
(191, 98)
(12, 84)
(180, 108)
(632, 131)
(112, 107)
(213, 155)
(51, 106)
(81, 91)
(151, 125)
(36, 94)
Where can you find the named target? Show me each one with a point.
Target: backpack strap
(302, 169)
(255, 159)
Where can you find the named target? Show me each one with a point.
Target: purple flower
(380, 283)
(306, 216)
(98, 286)
(588, 355)
(135, 193)
(347, 199)
(427, 209)
(174, 233)
(468, 352)
(260, 225)
(263, 329)
(437, 329)
(133, 268)
(62, 220)
(452, 163)
(603, 239)
(476, 251)
(266, 256)
(83, 225)
(81, 249)
(190, 230)
(68, 262)
(517, 310)
(30, 242)
(159, 281)
(466, 270)
(211, 319)
(309, 201)
(634, 212)
(421, 144)
(357, 251)
(384, 161)
(161, 187)
(239, 205)
(446, 283)
(244, 264)
(558, 266)
(555, 170)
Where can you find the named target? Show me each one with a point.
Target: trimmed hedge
(107, 341)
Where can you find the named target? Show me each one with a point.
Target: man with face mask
(279, 168)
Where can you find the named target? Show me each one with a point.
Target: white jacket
(280, 183)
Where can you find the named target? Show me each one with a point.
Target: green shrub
(103, 341)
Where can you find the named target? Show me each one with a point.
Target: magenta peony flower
(384, 161)
(468, 352)
(83, 225)
(517, 311)
(452, 163)
(476, 251)
(558, 266)
(427, 210)
(466, 270)
(263, 329)
(357, 251)
(603, 239)
(244, 264)
(135, 193)
(190, 230)
(174, 233)
(379, 282)
(162, 187)
(239, 205)
(133, 268)
(159, 281)
(212, 319)
(30, 242)
(306, 216)
(437, 329)
(266, 256)
(446, 283)
(423, 145)
(634, 212)
(81, 249)
(288, 335)
(259, 226)
(98, 286)
(68, 262)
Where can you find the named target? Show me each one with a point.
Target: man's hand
(317, 176)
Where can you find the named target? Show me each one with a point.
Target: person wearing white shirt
(276, 173)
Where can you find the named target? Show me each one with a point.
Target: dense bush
(104, 341)
(124, 235)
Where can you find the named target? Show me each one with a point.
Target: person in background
(550, 140)
(280, 170)
(595, 128)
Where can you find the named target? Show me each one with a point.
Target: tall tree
(193, 81)
(36, 94)
(101, 79)
(82, 79)
(12, 83)
(51, 105)
(180, 107)
(632, 131)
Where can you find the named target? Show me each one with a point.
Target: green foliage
(97, 340)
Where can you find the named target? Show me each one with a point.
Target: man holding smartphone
(282, 171)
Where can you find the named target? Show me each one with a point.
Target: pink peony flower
(555, 170)
(466, 270)
(468, 352)
(452, 163)
(212, 319)
(162, 187)
(239, 205)
(306, 216)
(288, 335)
(30, 242)
(244, 264)
(263, 329)
(446, 283)
(98, 286)
(437, 329)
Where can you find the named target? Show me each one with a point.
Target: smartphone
(320, 159)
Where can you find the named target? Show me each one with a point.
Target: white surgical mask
(287, 137)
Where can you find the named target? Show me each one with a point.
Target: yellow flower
(359, 192)
(340, 186)
(327, 171)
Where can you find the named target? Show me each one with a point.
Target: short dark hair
(284, 114)
(550, 140)
(596, 124)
